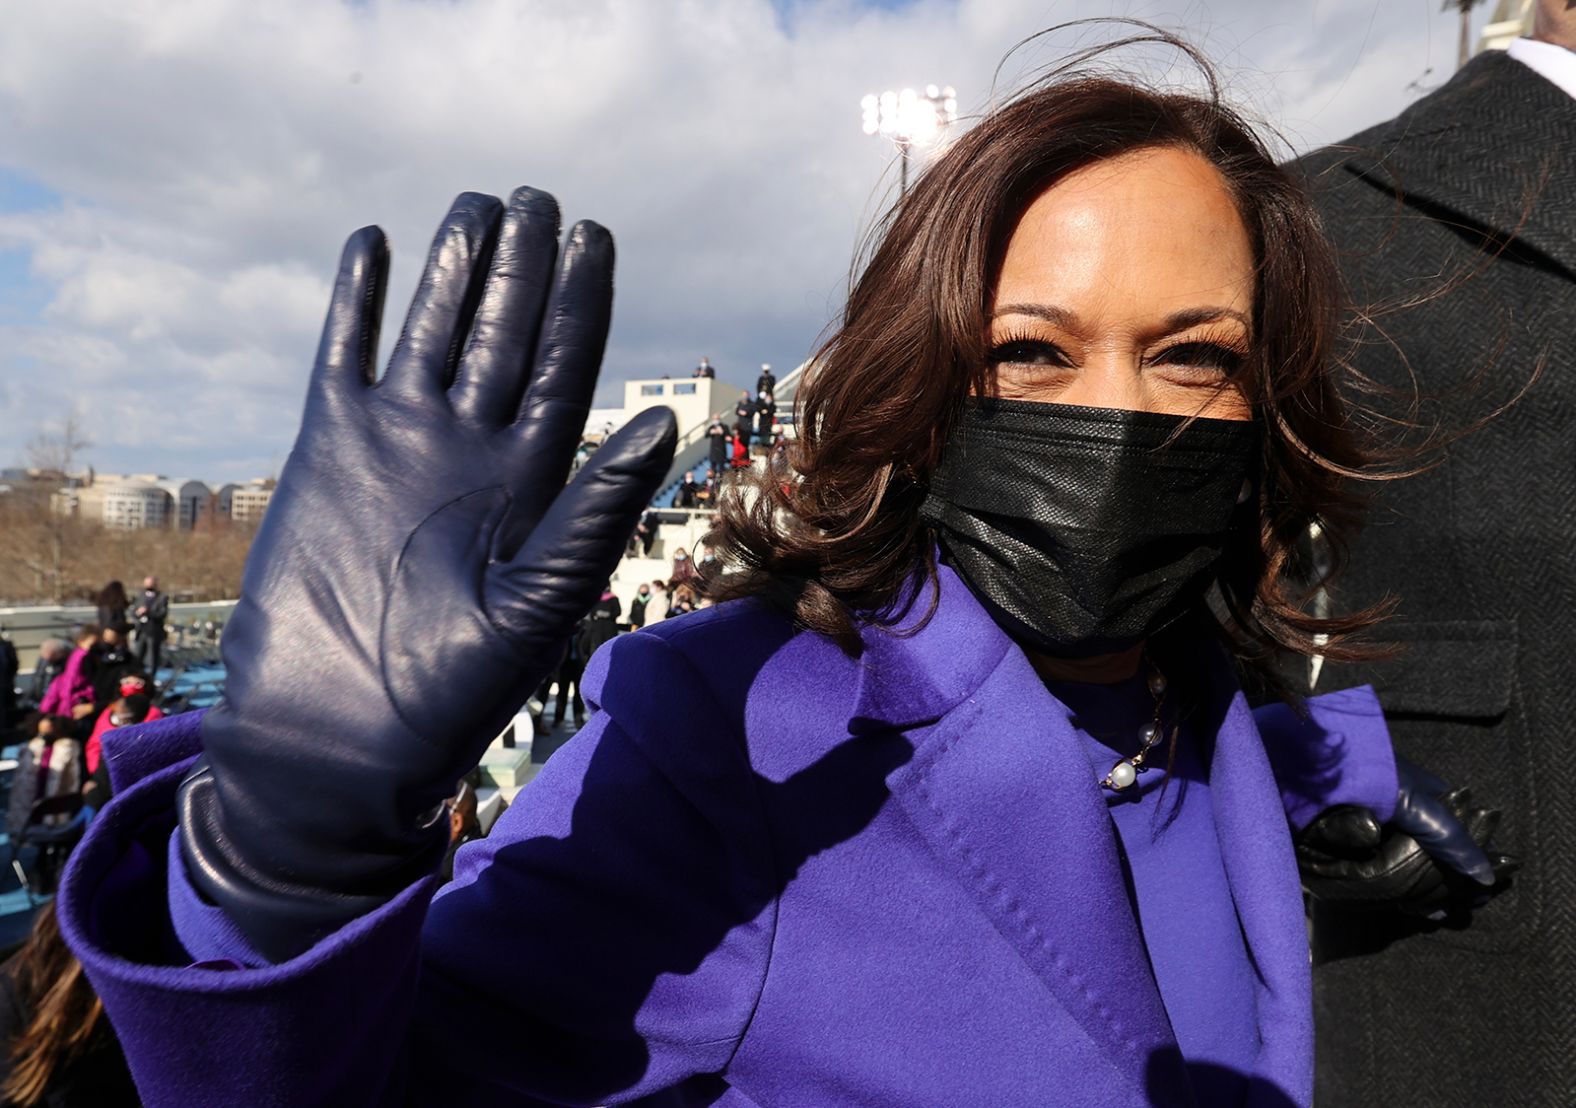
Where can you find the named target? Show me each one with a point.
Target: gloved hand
(1431, 858)
(417, 571)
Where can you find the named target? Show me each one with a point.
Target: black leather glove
(1433, 857)
(418, 568)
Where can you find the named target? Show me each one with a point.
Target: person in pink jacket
(74, 686)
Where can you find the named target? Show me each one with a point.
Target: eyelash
(1198, 352)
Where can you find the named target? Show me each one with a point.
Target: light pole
(909, 119)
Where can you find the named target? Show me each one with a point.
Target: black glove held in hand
(418, 569)
(1431, 858)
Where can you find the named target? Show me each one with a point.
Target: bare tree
(59, 451)
(40, 536)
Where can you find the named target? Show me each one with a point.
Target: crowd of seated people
(56, 1046)
(79, 692)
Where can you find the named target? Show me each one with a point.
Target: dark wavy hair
(65, 1019)
(834, 534)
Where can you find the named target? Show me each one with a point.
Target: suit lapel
(1496, 144)
(1002, 792)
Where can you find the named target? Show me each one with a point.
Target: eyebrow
(1176, 321)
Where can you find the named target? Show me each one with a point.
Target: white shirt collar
(1553, 63)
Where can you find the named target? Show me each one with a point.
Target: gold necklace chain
(1125, 772)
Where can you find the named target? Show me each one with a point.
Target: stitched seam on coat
(997, 891)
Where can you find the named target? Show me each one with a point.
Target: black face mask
(1086, 530)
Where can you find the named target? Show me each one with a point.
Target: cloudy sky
(176, 176)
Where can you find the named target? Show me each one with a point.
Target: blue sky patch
(22, 192)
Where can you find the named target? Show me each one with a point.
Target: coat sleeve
(1339, 752)
(607, 940)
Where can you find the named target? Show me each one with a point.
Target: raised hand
(418, 568)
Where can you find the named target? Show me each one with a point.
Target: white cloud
(214, 153)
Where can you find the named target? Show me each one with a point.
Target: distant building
(692, 400)
(602, 422)
(130, 501)
(192, 501)
(131, 505)
(248, 502)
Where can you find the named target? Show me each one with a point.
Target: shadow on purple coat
(765, 874)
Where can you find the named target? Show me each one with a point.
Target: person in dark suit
(1456, 223)
(152, 609)
(744, 418)
(689, 489)
(765, 417)
(637, 607)
(717, 441)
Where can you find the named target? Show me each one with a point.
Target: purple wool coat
(764, 874)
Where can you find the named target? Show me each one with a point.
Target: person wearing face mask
(71, 692)
(978, 812)
(683, 571)
(717, 445)
(148, 614)
(131, 706)
(765, 416)
(113, 662)
(708, 567)
(637, 606)
(743, 421)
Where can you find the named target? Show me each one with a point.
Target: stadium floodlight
(909, 119)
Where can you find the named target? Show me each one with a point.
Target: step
(507, 767)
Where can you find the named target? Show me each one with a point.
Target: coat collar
(1496, 144)
(1000, 789)
(940, 650)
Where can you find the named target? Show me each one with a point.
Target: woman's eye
(1203, 355)
(1026, 352)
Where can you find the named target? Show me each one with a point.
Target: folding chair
(40, 833)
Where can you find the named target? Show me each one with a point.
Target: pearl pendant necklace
(1125, 772)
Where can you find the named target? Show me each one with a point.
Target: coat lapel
(1002, 792)
(1255, 847)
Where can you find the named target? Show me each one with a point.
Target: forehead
(1145, 233)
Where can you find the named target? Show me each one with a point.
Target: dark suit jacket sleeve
(608, 939)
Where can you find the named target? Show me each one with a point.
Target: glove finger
(347, 352)
(1415, 777)
(495, 367)
(440, 313)
(537, 595)
(1446, 840)
(1481, 823)
(574, 332)
(1346, 829)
